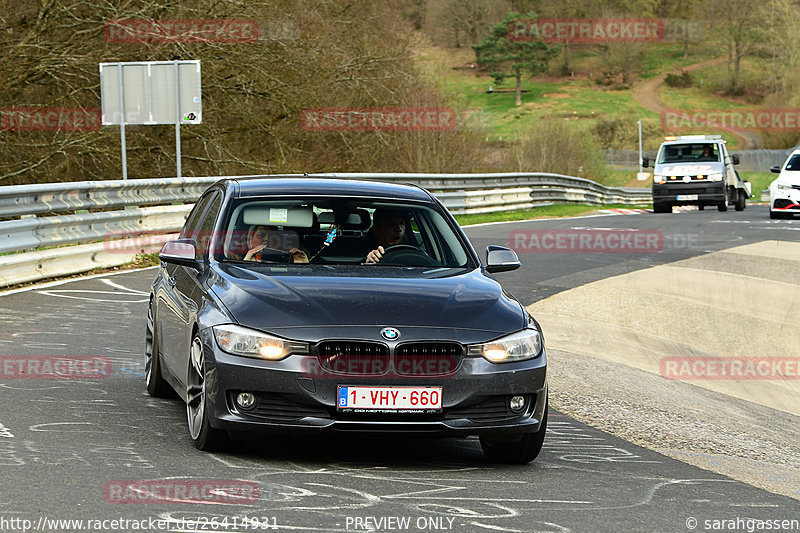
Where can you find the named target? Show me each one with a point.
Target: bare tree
(738, 25)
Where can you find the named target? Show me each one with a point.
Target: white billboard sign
(150, 90)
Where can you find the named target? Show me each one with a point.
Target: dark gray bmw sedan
(306, 304)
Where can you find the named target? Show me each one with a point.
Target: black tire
(775, 215)
(204, 436)
(741, 201)
(722, 206)
(662, 208)
(521, 452)
(154, 380)
(701, 207)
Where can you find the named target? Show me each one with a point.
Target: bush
(554, 146)
(623, 134)
(681, 81)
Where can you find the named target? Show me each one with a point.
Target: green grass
(667, 57)
(550, 211)
(758, 182)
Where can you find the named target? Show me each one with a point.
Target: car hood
(788, 177)
(269, 300)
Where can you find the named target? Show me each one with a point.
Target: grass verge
(549, 211)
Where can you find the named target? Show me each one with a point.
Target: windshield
(336, 231)
(689, 153)
(793, 163)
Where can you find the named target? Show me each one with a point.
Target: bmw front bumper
(298, 395)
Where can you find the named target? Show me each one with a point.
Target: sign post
(149, 93)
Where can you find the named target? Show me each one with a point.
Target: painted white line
(123, 288)
(63, 281)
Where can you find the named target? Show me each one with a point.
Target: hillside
(279, 59)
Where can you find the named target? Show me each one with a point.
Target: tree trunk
(685, 39)
(519, 87)
(730, 66)
(736, 66)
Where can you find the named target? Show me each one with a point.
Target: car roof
(326, 186)
(692, 141)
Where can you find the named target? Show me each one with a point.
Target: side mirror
(735, 159)
(645, 162)
(775, 169)
(501, 259)
(181, 252)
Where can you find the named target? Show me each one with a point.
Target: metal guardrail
(40, 217)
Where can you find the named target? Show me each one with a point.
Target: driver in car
(388, 229)
(258, 239)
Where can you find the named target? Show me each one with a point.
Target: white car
(784, 192)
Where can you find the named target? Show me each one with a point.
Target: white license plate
(686, 197)
(389, 398)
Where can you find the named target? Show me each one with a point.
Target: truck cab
(696, 170)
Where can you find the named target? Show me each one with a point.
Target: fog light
(245, 400)
(517, 403)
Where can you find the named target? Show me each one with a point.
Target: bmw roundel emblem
(390, 334)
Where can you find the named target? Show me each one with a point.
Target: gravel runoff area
(608, 342)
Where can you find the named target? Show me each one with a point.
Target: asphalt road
(68, 447)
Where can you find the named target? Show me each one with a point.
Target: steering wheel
(407, 255)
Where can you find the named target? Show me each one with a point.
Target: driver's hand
(298, 256)
(254, 251)
(375, 255)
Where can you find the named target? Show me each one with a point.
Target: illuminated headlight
(520, 346)
(783, 186)
(717, 176)
(658, 178)
(237, 340)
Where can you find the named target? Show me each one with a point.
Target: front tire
(741, 201)
(155, 383)
(521, 452)
(662, 208)
(723, 206)
(204, 436)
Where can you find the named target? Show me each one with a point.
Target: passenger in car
(258, 238)
(388, 229)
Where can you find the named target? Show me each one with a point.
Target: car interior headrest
(356, 220)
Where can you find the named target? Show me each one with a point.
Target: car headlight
(784, 186)
(717, 176)
(659, 178)
(238, 340)
(520, 346)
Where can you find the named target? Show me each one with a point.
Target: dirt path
(646, 93)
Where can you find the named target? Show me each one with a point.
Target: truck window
(690, 153)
